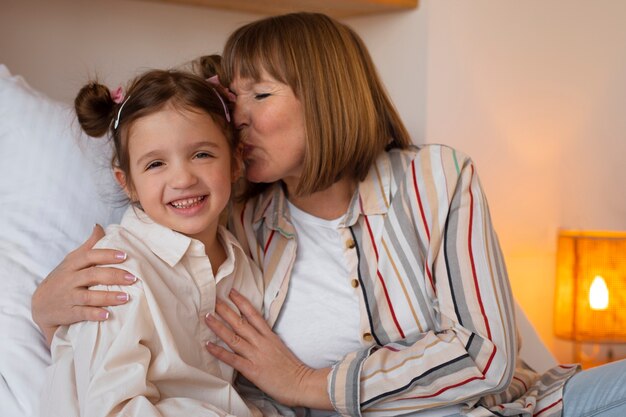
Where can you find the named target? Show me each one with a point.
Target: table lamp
(590, 296)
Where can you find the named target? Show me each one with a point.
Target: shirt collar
(373, 194)
(372, 197)
(172, 246)
(167, 244)
(272, 207)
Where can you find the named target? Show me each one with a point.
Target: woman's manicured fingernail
(123, 297)
(120, 255)
(130, 277)
(104, 315)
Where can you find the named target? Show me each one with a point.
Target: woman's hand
(63, 297)
(260, 356)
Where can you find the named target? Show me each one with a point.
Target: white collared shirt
(149, 357)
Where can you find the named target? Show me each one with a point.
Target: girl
(174, 156)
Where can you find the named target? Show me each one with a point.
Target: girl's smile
(188, 206)
(181, 170)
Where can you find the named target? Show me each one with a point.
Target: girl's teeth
(189, 202)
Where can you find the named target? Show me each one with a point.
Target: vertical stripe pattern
(434, 288)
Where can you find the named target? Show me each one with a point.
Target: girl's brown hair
(98, 114)
(349, 118)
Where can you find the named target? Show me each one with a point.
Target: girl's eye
(203, 155)
(154, 164)
(261, 96)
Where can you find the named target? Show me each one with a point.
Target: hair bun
(94, 108)
(208, 66)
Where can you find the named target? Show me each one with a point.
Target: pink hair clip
(215, 82)
(117, 95)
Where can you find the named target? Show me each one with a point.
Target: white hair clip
(119, 112)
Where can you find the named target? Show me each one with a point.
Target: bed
(55, 185)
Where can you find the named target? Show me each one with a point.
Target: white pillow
(55, 183)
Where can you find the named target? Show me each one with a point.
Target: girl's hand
(260, 356)
(63, 297)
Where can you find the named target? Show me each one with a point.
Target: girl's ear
(121, 179)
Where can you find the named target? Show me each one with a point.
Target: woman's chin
(258, 176)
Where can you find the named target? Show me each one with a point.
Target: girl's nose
(182, 177)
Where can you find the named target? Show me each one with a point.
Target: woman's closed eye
(261, 96)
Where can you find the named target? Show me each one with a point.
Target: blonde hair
(349, 118)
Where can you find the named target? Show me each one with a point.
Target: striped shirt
(437, 318)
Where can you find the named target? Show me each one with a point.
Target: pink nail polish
(104, 315)
(121, 255)
(130, 277)
(122, 297)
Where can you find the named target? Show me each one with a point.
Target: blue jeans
(599, 391)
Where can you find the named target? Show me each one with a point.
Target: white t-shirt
(320, 291)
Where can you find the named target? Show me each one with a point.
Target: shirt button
(354, 283)
(350, 244)
(367, 337)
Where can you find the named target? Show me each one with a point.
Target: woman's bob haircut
(349, 118)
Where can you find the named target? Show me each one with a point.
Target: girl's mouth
(187, 203)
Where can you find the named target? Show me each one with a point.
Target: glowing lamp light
(590, 295)
(598, 294)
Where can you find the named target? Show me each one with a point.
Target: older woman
(385, 288)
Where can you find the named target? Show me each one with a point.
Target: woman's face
(271, 122)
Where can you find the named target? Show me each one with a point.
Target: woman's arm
(63, 297)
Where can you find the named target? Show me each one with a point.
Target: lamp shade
(590, 296)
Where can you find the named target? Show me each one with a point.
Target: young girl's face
(181, 170)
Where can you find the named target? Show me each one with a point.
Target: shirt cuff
(344, 388)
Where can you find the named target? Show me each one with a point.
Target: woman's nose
(240, 115)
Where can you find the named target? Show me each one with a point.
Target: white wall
(535, 91)
(57, 45)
